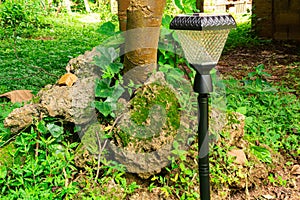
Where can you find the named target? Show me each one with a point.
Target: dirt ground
(282, 61)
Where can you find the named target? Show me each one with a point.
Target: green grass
(272, 112)
(23, 60)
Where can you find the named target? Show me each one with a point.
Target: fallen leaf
(18, 95)
(240, 156)
(267, 196)
(295, 170)
(68, 79)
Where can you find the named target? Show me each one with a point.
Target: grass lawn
(31, 63)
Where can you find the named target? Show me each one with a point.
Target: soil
(282, 61)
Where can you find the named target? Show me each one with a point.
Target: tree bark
(122, 13)
(87, 6)
(144, 16)
(68, 5)
(200, 5)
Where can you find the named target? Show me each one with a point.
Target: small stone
(240, 156)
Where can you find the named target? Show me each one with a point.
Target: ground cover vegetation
(46, 161)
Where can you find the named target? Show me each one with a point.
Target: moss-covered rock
(152, 122)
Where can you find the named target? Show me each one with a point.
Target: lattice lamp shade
(202, 37)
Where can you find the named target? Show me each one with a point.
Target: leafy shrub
(18, 15)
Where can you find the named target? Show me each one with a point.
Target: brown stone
(240, 156)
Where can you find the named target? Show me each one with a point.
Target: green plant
(272, 116)
(33, 63)
(262, 154)
(104, 88)
(186, 6)
(258, 77)
(181, 177)
(277, 181)
(20, 16)
(47, 164)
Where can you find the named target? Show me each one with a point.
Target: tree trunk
(122, 13)
(87, 6)
(200, 5)
(68, 5)
(144, 16)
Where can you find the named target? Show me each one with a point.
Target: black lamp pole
(203, 86)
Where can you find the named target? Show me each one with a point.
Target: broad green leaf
(56, 131)
(179, 4)
(249, 120)
(262, 154)
(118, 91)
(115, 67)
(41, 127)
(103, 107)
(107, 56)
(3, 172)
(103, 88)
(166, 20)
(242, 110)
(108, 28)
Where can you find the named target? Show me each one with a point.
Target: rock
(240, 156)
(56, 101)
(83, 66)
(72, 104)
(21, 118)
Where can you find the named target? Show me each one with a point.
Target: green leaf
(115, 67)
(107, 56)
(3, 172)
(118, 91)
(56, 131)
(108, 28)
(251, 74)
(166, 20)
(103, 107)
(178, 4)
(249, 120)
(242, 110)
(262, 154)
(103, 88)
(41, 127)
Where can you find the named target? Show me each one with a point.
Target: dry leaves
(295, 170)
(18, 95)
(68, 79)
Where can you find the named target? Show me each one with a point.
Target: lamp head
(202, 38)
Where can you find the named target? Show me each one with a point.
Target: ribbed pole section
(203, 146)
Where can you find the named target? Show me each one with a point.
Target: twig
(66, 177)
(247, 187)
(100, 151)
(13, 137)
(114, 124)
(37, 145)
(101, 148)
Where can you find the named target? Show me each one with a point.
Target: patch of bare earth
(282, 61)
